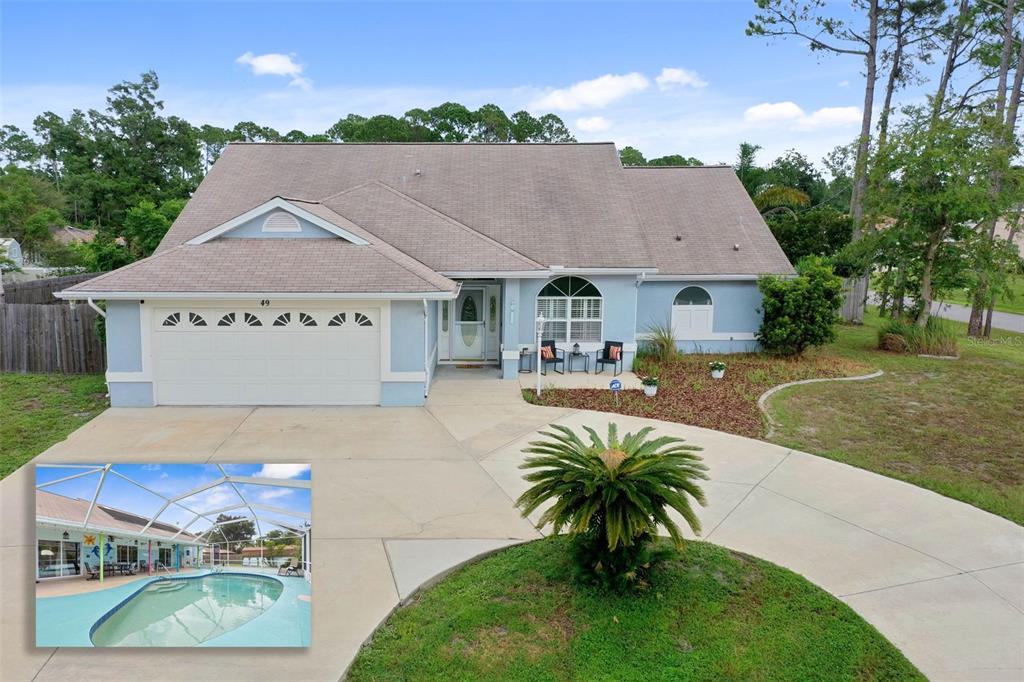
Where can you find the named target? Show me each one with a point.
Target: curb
(762, 401)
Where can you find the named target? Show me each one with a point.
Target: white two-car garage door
(266, 356)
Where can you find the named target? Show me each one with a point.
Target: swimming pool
(185, 612)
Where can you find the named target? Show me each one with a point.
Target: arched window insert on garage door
(573, 310)
(693, 313)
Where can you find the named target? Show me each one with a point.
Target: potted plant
(650, 386)
(717, 369)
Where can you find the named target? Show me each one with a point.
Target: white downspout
(102, 313)
(426, 352)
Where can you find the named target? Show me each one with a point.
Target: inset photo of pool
(173, 555)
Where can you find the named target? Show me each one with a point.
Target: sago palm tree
(613, 494)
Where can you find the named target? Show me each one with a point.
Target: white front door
(266, 356)
(468, 336)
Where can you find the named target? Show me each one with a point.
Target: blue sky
(171, 480)
(720, 87)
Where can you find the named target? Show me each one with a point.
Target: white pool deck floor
(401, 495)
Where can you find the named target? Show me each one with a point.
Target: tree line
(929, 182)
(126, 171)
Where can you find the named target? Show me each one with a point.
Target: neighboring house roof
(325, 266)
(700, 221)
(256, 551)
(71, 235)
(72, 510)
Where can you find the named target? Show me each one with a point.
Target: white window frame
(569, 319)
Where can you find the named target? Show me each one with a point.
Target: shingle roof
(58, 507)
(429, 208)
(557, 204)
(438, 241)
(262, 265)
(711, 213)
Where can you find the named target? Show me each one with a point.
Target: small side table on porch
(525, 361)
(570, 357)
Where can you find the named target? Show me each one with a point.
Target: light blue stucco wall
(619, 294)
(124, 336)
(407, 336)
(510, 326)
(252, 229)
(736, 310)
(402, 393)
(131, 394)
(432, 308)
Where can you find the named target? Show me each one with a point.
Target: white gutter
(702, 278)
(249, 295)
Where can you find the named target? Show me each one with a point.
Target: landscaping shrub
(902, 336)
(800, 312)
(612, 496)
(661, 341)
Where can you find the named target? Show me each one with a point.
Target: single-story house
(11, 250)
(70, 536)
(344, 274)
(69, 234)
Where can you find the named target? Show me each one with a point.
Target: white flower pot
(650, 391)
(717, 373)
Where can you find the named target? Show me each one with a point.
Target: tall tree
(808, 20)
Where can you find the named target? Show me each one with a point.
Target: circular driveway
(401, 495)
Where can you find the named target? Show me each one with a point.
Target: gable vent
(281, 221)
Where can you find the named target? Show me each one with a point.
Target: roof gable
(270, 220)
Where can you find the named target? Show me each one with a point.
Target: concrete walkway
(402, 494)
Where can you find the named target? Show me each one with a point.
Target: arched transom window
(573, 310)
(693, 296)
(693, 314)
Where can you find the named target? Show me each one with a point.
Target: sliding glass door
(58, 558)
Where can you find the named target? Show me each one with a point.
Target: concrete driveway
(403, 494)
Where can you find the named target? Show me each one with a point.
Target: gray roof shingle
(430, 208)
(711, 213)
(73, 510)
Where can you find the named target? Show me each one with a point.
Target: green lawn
(1007, 304)
(710, 614)
(38, 410)
(953, 426)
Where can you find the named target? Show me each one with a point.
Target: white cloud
(772, 113)
(151, 467)
(282, 470)
(843, 84)
(276, 64)
(832, 117)
(593, 94)
(593, 124)
(274, 493)
(672, 77)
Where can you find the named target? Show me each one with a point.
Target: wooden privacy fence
(50, 338)
(40, 290)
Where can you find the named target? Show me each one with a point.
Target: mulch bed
(689, 395)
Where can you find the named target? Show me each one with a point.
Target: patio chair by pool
(283, 568)
(549, 356)
(611, 354)
(91, 572)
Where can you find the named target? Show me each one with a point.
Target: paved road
(401, 494)
(961, 313)
(954, 311)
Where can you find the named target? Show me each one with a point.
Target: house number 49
(265, 303)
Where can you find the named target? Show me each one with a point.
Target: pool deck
(66, 621)
(79, 584)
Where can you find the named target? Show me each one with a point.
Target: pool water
(187, 611)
